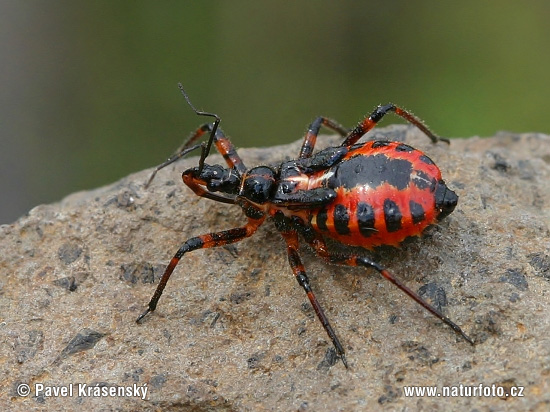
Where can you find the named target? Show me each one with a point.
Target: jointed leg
(291, 238)
(318, 244)
(182, 150)
(223, 144)
(370, 122)
(354, 260)
(311, 136)
(201, 242)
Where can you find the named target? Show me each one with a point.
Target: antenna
(205, 148)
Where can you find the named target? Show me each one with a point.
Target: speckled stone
(234, 331)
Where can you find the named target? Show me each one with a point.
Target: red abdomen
(385, 193)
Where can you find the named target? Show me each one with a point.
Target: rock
(234, 331)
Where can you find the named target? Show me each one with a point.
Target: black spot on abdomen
(417, 212)
(341, 219)
(392, 216)
(365, 219)
(321, 219)
(379, 143)
(425, 159)
(423, 180)
(404, 148)
(371, 170)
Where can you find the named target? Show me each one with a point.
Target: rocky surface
(233, 330)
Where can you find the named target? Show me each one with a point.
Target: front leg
(201, 242)
(223, 144)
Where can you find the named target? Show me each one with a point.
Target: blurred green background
(88, 89)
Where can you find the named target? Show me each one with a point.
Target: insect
(362, 194)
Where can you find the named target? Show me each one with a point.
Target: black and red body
(367, 194)
(384, 192)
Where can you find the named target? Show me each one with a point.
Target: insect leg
(313, 130)
(370, 122)
(318, 244)
(201, 242)
(366, 262)
(297, 266)
(223, 144)
(181, 151)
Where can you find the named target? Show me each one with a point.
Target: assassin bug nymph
(362, 194)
